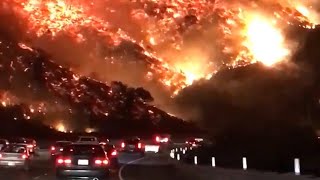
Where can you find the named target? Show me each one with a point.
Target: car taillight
(139, 145)
(24, 156)
(67, 161)
(53, 148)
(101, 162)
(123, 144)
(114, 153)
(30, 146)
(166, 139)
(157, 138)
(63, 161)
(60, 161)
(0, 155)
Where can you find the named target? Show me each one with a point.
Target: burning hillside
(45, 89)
(161, 45)
(178, 42)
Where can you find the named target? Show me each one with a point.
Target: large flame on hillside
(265, 41)
(250, 31)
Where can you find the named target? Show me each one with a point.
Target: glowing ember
(264, 41)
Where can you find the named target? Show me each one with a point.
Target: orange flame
(162, 23)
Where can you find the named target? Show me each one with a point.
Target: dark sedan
(83, 161)
(133, 145)
(57, 148)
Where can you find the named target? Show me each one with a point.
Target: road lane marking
(130, 162)
(38, 177)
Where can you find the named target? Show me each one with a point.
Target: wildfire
(7, 99)
(245, 38)
(264, 41)
(61, 127)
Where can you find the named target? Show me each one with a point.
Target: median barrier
(201, 172)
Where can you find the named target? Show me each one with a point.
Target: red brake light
(0, 155)
(114, 153)
(67, 161)
(105, 162)
(60, 161)
(98, 162)
(157, 138)
(30, 146)
(123, 145)
(53, 148)
(139, 145)
(24, 156)
(63, 161)
(101, 162)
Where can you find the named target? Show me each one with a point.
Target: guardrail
(178, 153)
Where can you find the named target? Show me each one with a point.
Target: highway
(150, 167)
(159, 167)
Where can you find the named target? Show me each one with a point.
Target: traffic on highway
(131, 158)
(88, 157)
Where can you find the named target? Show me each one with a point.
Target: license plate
(131, 146)
(83, 162)
(11, 163)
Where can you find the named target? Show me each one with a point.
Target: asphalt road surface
(152, 166)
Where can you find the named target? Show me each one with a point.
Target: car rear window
(132, 141)
(30, 141)
(87, 139)
(84, 150)
(15, 149)
(62, 144)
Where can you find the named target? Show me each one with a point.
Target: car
(80, 160)
(162, 138)
(88, 139)
(31, 143)
(112, 154)
(58, 147)
(133, 145)
(15, 155)
(3, 143)
(193, 142)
